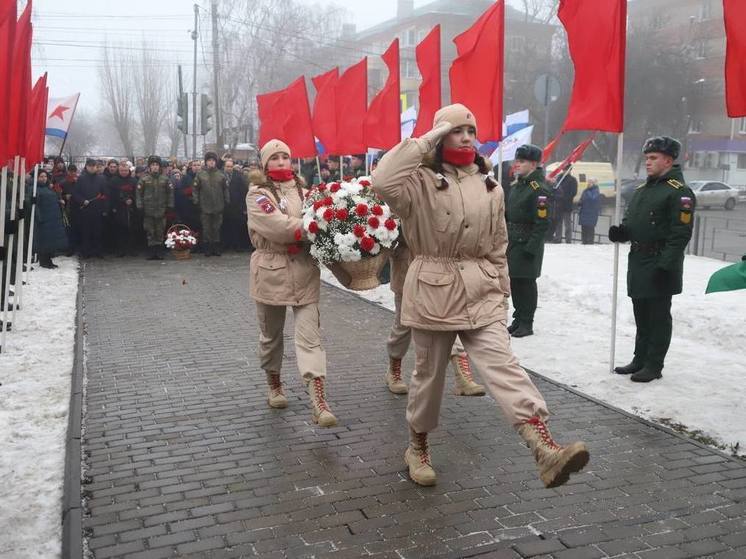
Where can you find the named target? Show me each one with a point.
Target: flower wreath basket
(351, 231)
(180, 239)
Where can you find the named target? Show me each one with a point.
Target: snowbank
(705, 375)
(34, 399)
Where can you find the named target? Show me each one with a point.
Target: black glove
(661, 278)
(20, 213)
(618, 234)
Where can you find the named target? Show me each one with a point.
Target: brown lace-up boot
(321, 413)
(555, 462)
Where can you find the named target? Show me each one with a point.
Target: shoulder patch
(541, 207)
(676, 184)
(535, 185)
(264, 203)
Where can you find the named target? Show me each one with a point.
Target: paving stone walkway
(184, 459)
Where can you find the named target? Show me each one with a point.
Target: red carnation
(328, 214)
(364, 183)
(293, 249)
(373, 222)
(359, 231)
(367, 244)
(390, 224)
(342, 214)
(317, 204)
(298, 234)
(377, 210)
(322, 186)
(347, 178)
(334, 187)
(361, 210)
(328, 201)
(313, 227)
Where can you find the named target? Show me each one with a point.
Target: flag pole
(500, 162)
(18, 285)
(318, 168)
(3, 191)
(9, 253)
(617, 219)
(69, 124)
(30, 251)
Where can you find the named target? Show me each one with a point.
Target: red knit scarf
(280, 175)
(459, 157)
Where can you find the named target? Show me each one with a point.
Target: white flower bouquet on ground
(351, 231)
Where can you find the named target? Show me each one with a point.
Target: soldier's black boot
(513, 326)
(523, 330)
(151, 253)
(628, 369)
(646, 375)
(216, 249)
(158, 253)
(207, 248)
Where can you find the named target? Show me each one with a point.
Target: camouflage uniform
(154, 196)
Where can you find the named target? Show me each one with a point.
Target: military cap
(528, 152)
(211, 155)
(664, 145)
(154, 159)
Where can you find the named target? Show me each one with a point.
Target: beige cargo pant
(310, 355)
(401, 336)
(489, 348)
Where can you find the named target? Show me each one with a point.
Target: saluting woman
(283, 274)
(453, 217)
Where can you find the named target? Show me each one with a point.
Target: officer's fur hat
(663, 144)
(529, 152)
(211, 155)
(155, 159)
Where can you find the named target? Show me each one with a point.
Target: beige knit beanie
(272, 147)
(457, 115)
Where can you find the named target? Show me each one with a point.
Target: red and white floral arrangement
(180, 239)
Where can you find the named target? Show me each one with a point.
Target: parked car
(713, 194)
(628, 188)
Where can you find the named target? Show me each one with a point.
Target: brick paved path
(184, 459)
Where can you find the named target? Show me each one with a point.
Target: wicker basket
(360, 275)
(183, 254)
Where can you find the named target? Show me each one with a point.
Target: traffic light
(205, 113)
(182, 113)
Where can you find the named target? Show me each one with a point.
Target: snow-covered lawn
(704, 380)
(35, 373)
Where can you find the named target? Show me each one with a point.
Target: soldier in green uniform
(658, 222)
(154, 197)
(527, 214)
(211, 194)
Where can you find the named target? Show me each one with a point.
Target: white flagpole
(18, 286)
(9, 254)
(3, 191)
(617, 219)
(318, 168)
(30, 251)
(500, 163)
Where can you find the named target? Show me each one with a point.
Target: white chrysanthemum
(376, 249)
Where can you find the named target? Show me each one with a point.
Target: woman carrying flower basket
(453, 215)
(283, 274)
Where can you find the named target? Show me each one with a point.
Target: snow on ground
(704, 380)
(35, 373)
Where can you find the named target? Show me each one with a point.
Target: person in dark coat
(49, 228)
(186, 212)
(59, 171)
(236, 232)
(123, 212)
(589, 210)
(89, 196)
(70, 212)
(565, 192)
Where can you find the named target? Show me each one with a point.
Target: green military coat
(211, 191)
(154, 195)
(658, 221)
(527, 214)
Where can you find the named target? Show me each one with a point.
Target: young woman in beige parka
(453, 218)
(283, 274)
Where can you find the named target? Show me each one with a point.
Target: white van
(584, 170)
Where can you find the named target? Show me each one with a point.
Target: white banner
(512, 143)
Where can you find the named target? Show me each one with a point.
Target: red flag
(382, 125)
(549, 148)
(734, 12)
(477, 72)
(352, 104)
(574, 156)
(324, 109)
(7, 34)
(36, 123)
(20, 84)
(269, 107)
(285, 115)
(597, 101)
(428, 61)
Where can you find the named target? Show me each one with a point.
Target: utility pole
(186, 112)
(216, 65)
(194, 83)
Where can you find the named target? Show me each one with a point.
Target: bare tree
(151, 91)
(542, 11)
(172, 134)
(117, 91)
